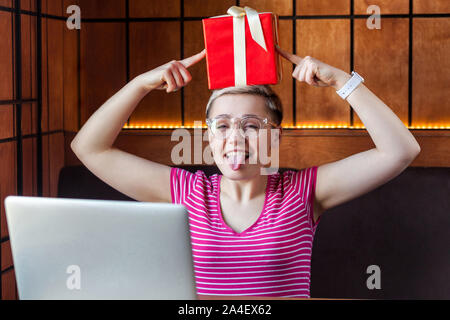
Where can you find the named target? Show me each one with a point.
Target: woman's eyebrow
(224, 116)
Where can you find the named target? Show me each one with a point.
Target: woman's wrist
(141, 84)
(341, 79)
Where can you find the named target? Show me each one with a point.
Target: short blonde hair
(272, 100)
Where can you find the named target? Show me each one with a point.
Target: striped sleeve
(182, 183)
(304, 183)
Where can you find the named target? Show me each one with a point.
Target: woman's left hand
(314, 72)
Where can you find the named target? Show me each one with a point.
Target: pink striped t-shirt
(270, 258)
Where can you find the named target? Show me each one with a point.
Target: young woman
(251, 233)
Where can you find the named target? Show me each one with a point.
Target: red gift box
(256, 65)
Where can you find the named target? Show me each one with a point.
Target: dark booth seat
(403, 227)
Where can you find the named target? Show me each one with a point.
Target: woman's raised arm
(346, 179)
(136, 177)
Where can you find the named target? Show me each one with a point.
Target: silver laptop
(98, 249)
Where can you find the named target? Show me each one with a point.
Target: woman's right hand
(171, 76)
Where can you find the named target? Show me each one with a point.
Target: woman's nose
(235, 132)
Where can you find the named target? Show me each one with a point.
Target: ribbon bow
(238, 13)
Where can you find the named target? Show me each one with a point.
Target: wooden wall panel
(314, 7)
(44, 76)
(45, 166)
(28, 5)
(6, 57)
(298, 149)
(196, 93)
(6, 3)
(53, 7)
(7, 120)
(52, 162)
(8, 178)
(153, 44)
(26, 56)
(431, 71)
(201, 8)
(146, 9)
(328, 41)
(34, 75)
(56, 161)
(8, 279)
(386, 6)
(102, 9)
(103, 64)
(71, 79)
(381, 57)
(426, 6)
(55, 74)
(284, 88)
(9, 290)
(7, 259)
(279, 7)
(29, 118)
(29, 171)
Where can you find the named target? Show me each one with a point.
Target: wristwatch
(351, 85)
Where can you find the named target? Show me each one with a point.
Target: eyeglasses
(249, 126)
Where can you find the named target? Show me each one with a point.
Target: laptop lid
(100, 249)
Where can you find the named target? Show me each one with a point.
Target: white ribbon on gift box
(238, 13)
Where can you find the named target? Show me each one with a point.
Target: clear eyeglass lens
(249, 127)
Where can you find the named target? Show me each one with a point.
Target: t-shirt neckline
(219, 209)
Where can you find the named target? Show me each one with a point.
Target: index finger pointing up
(190, 61)
(291, 57)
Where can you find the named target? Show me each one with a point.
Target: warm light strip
(285, 127)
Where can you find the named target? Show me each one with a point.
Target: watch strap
(350, 85)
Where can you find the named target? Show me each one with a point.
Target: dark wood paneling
(314, 7)
(427, 6)
(71, 79)
(7, 120)
(200, 8)
(102, 9)
(153, 44)
(284, 88)
(6, 55)
(386, 6)
(6, 255)
(279, 7)
(103, 64)
(8, 178)
(44, 77)
(56, 161)
(34, 75)
(146, 9)
(29, 172)
(53, 7)
(45, 166)
(381, 57)
(329, 42)
(6, 3)
(29, 118)
(26, 56)
(196, 93)
(298, 149)
(53, 161)
(431, 72)
(55, 73)
(29, 5)
(9, 285)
